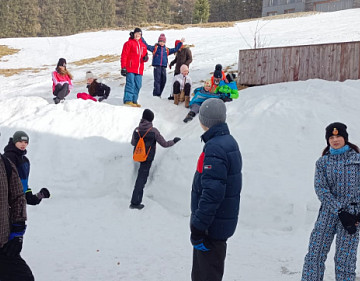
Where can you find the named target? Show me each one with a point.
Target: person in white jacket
(182, 86)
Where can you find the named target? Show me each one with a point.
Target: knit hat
(207, 83)
(184, 68)
(212, 112)
(162, 38)
(61, 62)
(336, 129)
(89, 75)
(20, 136)
(148, 115)
(218, 71)
(137, 29)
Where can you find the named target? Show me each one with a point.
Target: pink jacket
(57, 78)
(132, 56)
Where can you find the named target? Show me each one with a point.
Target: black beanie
(61, 62)
(336, 129)
(137, 29)
(148, 115)
(20, 136)
(217, 72)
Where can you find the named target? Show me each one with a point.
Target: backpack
(156, 47)
(8, 167)
(140, 154)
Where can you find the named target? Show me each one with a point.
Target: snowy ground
(80, 150)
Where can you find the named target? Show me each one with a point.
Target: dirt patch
(103, 58)
(6, 51)
(15, 71)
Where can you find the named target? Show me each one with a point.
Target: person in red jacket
(61, 78)
(133, 56)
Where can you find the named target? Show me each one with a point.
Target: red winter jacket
(57, 78)
(132, 56)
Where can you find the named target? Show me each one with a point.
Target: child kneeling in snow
(95, 88)
(182, 86)
(201, 94)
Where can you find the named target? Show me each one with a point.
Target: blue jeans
(132, 87)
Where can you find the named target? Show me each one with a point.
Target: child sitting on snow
(182, 86)
(95, 88)
(227, 90)
(201, 94)
(219, 75)
(159, 62)
(62, 84)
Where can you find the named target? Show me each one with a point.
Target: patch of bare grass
(6, 51)
(14, 71)
(101, 58)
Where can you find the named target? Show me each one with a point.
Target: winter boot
(176, 99)
(56, 100)
(187, 101)
(189, 116)
(182, 96)
(139, 207)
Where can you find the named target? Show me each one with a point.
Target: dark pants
(61, 91)
(141, 180)
(176, 88)
(14, 269)
(209, 266)
(159, 80)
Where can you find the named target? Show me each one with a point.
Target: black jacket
(98, 89)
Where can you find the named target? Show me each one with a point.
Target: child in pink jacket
(61, 81)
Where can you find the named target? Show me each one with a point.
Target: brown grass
(103, 58)
(6, 51)
(14, 71)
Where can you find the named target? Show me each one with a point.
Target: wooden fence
(334, 62)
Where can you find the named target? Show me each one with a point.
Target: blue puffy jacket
(215, 195)
(160, 58)
(200, 95)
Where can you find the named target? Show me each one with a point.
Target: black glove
(123, 71)
(43, 193)
(176, 139)
(198, 239)
(13, 247)
(348, 221)
(146, 58)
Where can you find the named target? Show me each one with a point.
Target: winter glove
(43, 193)
(198, 239)
(146, 58)
(176, 139)
(348, 221)
(123, 71)
(13, 247)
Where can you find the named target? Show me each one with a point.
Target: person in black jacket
(215, 195)
(152, 137)
(95, 88)
(15, 151)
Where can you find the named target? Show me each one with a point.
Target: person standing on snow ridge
(133, 56)
(337, 185)
(12, 225)
(15, 151)
(183, 56)
(215, 195)
(62, 84)
(151, 136)
(159, 62)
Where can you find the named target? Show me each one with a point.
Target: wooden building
(333, 62)
(277, 7)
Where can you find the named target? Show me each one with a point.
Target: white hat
(89, 75)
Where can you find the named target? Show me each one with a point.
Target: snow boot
(187, 101)
(182, 96)
(176, 99)
(171, 97)
(189, 116)
(139, 207)
(56, 100)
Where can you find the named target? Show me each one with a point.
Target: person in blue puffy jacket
(160, 61)
(337, 185)
(215, 195)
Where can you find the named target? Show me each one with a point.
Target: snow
(81, 151)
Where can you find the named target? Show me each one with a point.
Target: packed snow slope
(81, 151)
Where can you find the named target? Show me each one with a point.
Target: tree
(201, 11)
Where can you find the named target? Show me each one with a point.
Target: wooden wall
(334, 62)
